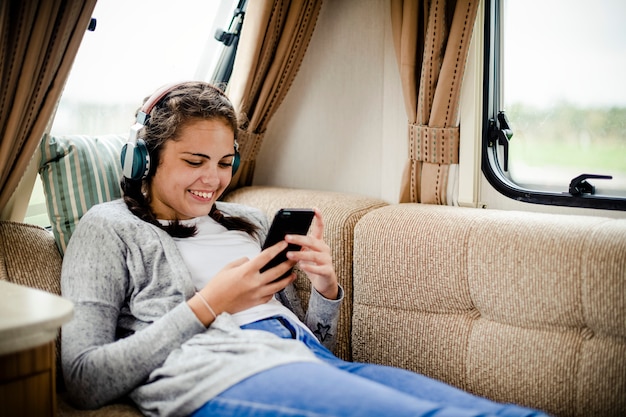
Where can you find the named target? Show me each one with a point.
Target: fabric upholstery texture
(341, 212)
(519, 307)
(120, 409)
(77, 172)
(29, 256)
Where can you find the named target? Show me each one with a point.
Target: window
(136, 47)
(555, 101)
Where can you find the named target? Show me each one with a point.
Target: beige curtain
(431, 39)
(39, 39)
(274, 39)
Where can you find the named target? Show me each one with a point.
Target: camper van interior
(468, 158)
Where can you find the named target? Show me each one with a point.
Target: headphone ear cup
(236, 161)
(140, 161)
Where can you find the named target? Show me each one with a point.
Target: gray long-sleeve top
(133, 332)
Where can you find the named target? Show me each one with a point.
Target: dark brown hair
(184, 103)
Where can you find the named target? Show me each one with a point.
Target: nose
(210, 175)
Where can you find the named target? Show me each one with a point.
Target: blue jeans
(340, 388)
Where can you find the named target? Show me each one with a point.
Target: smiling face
(194, 170)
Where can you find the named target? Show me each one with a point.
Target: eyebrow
(201, 155)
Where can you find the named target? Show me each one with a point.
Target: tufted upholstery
(519, 307)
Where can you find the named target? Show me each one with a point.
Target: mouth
(204, 195)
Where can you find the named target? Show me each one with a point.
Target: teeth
(202, 194)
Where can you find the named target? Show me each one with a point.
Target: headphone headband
(144, 114)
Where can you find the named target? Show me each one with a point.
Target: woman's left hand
(315, 258)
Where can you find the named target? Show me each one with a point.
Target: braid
(136, 201)
(233, 222)
(139, 205)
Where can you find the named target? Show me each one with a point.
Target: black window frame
(494, 134)
(230, 38)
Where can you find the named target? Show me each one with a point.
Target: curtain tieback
(249, 144)
(437, 145)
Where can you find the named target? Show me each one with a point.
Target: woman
(171, 307)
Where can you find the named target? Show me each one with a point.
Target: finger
(308, 242)
(309, 257)
(312, 268)
(317, 228)
(300, 240)
(267, 255)
(276, 271)
(280, 284)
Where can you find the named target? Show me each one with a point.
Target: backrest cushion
(78, 172)
(518, 307)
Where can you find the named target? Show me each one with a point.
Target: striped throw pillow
(78, 172)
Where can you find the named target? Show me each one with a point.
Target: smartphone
(287, 221)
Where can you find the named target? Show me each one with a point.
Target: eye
(193, 163)
(225, 164)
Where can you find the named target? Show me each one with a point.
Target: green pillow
(78, 172)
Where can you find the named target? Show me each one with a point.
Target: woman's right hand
(240, 285)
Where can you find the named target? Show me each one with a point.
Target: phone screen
(293, 221)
